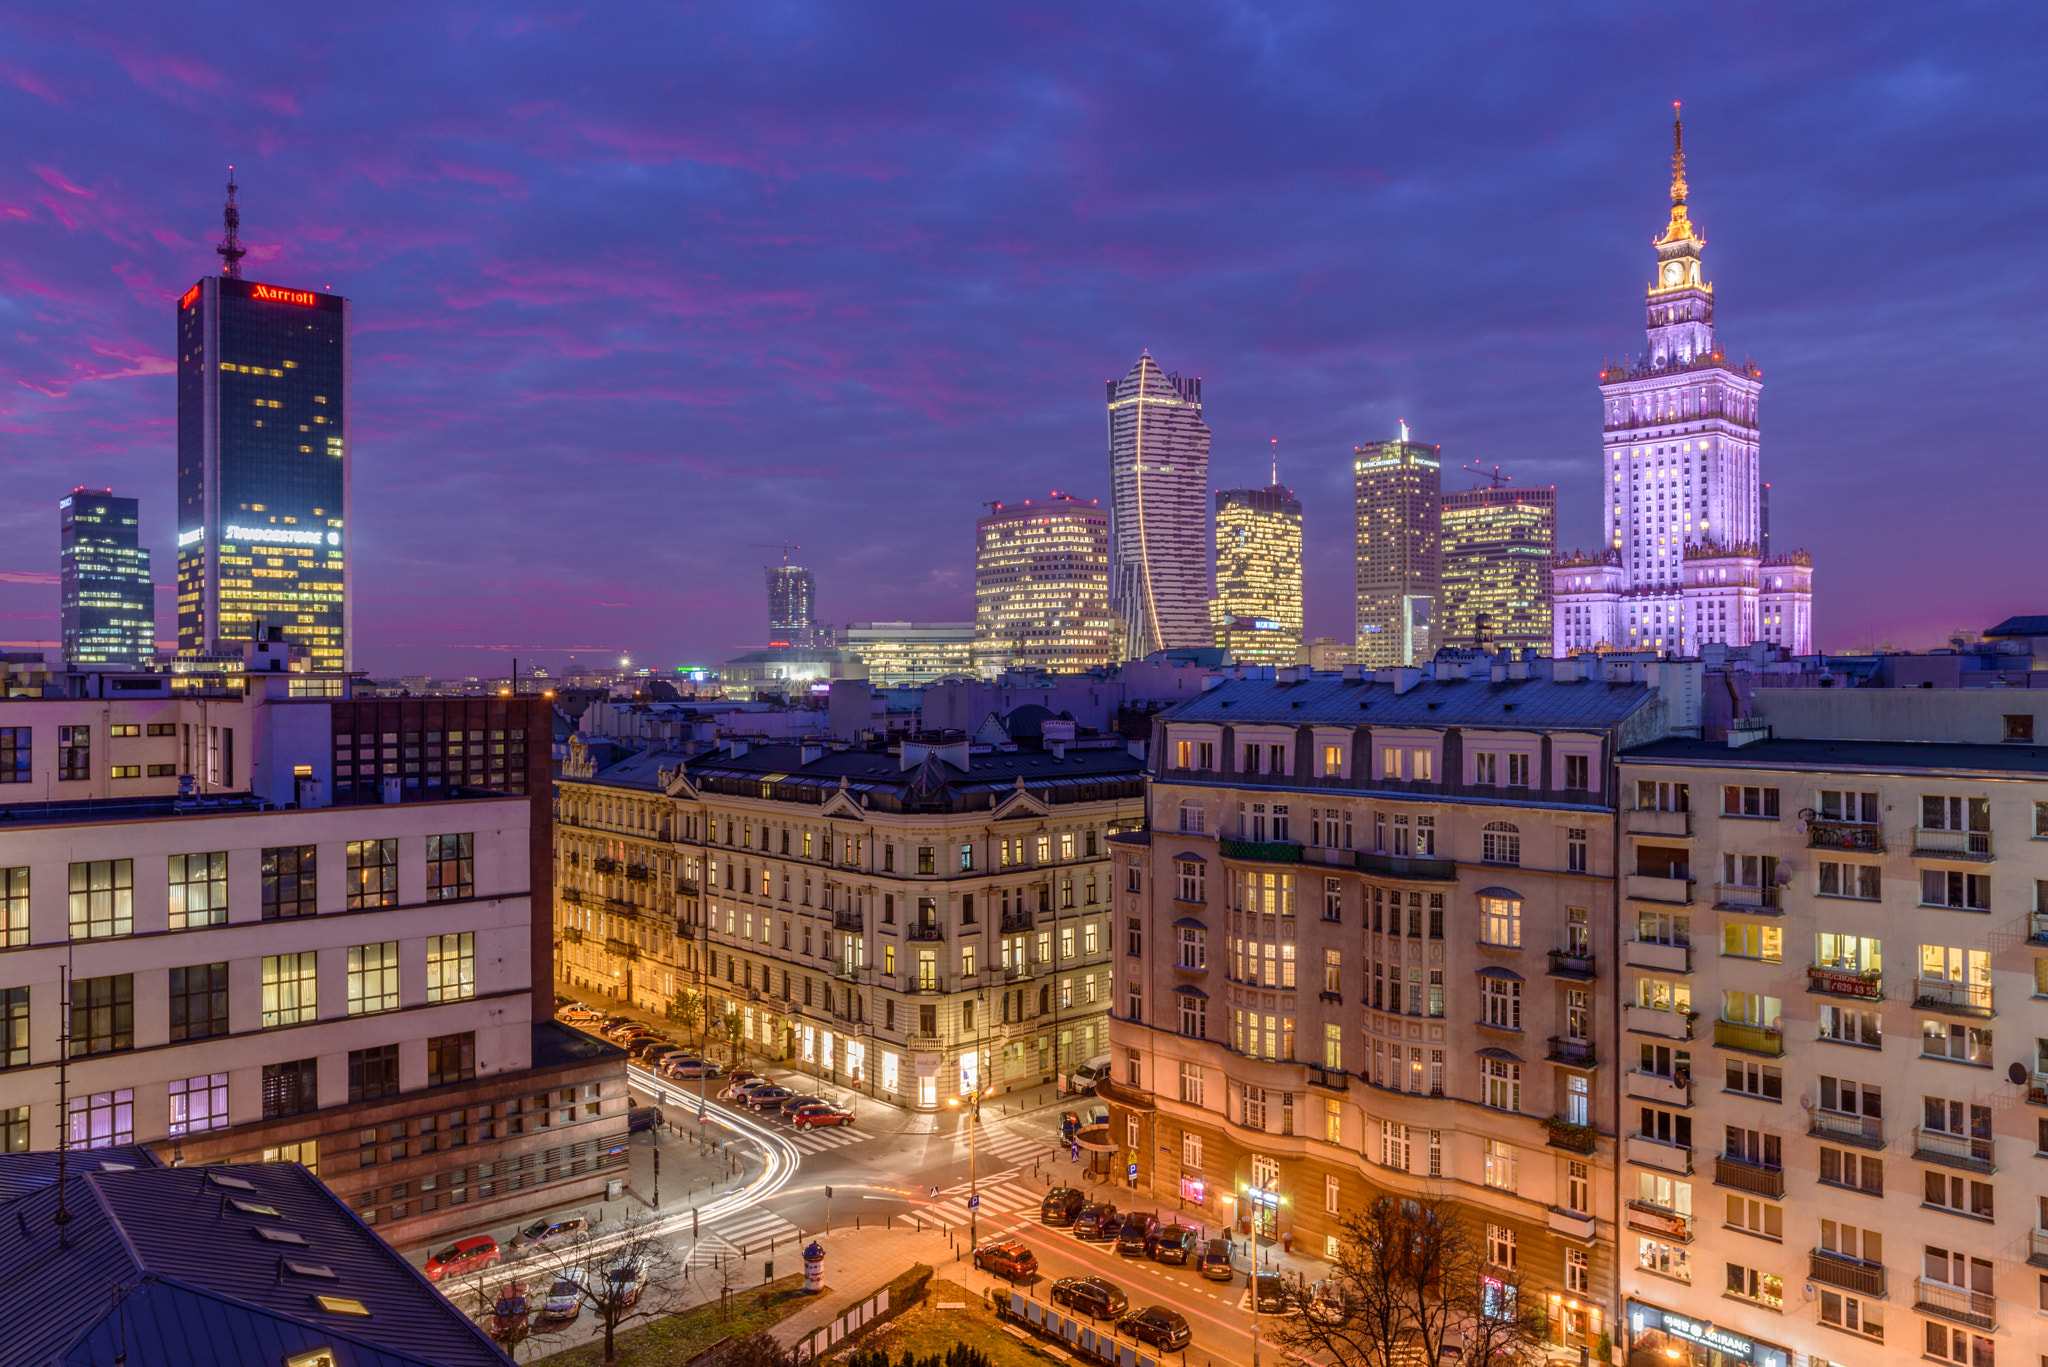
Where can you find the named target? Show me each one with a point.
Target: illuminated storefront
(1664, 1338)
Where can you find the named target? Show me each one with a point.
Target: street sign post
(1074, 1152)
(974, 1203)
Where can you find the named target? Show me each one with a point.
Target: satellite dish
(1805, 1102)
(2017, 1074)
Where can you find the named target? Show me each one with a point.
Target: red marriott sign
(305, 297)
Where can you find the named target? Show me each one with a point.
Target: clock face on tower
(1673, 272)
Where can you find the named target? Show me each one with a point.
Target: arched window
(1500, 843)
(1191, 816)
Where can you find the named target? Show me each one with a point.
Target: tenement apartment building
(923, 920)
(254, 926)
(1368, 946)
(1835, 1034)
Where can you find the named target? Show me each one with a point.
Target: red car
(1007, 1258)
(473, 1254)
(822, 1113)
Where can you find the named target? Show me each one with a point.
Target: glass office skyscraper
(263, 468)
(109, 608)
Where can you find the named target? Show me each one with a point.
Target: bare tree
(1413, 1284)
(627, 1273)
(758, 1349)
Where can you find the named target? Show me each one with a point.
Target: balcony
(2037, 1089)
(848, 972)
(1648, 888)
(605, 865)
(1653, 1153)
(849, 920)
(1851, 1274)
(1753, 1039)
(1414, 870)
(1569, 1135)
(638, 873)
(1018, 973)
(1576, 1052)
(1867, 983)
(1644, 821)
(1757, 901)
(2037, 927)
(1653, 1219)
(1571, 1224)
(924, 930)
(687, 886)
(1844, 835)
(1641, 1086)
(1268, 851)
(1933, 844)
(1754, 1178)
(622, 949)
(1955, 1150)
(1565, 963)
(926, 986)
(575, 895)
(572, 935)
(1645, 1020)
(1865, 1131)
(1958, 1303)
(1014, 922)
(1953, 998)
(2037, 1247)
(1662, 957)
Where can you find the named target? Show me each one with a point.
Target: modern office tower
(1257, 609)
(1041, 587)
(1498, 545)
(1159, 494)
(263, 465)
(1683, 515)
(1400, 560)
(109, 607)
(792, 601)
(898, 653)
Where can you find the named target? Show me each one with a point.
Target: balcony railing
(1646, 1020)
(622, 949)
(1866, 1130)
(1743, 1175)
(1955, 1150)
(1570, 1135)
(1015, 921)
(604, 864)
(1756, 1039)
(1271, 851)
(1867, 983)
(1954, 998)
(1410, 867)
(1017, 973)
(848, 920)
(1951, 844)
(639, 873)
(927, 986)
(1851, 1274)
(1844, 835)
(2037, 1247)
(1644, 821)
(1654, 1153)
(1958, 1303)
(1655, 1219)
(2037, 927)
(924, 930)
(1746, 899)
(687, 885)
(2037, 1089)
(1566, 963)
(1576, 1052)
(1646, 887)
(1663, 957)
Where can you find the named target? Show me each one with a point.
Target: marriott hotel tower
(263, 467)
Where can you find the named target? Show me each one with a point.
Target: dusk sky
(636, 287)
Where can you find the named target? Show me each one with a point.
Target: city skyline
(938, 290)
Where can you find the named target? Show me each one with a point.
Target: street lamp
(973, 1189)
(1265, 1188)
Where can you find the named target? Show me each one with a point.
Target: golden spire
(1680, 229)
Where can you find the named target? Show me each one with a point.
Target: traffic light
(828, 1193)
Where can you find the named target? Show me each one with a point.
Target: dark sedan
(761, 1098)
(1269, 1289)
(1164, 1329)
(1061, 1205)
(1097, 1221)
(1174, 1244)
(1134, 1238)
(1091, 1296)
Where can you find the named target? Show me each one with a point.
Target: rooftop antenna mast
(231, 249)
(1276, 463)
(63, 1216)
(1495, 479)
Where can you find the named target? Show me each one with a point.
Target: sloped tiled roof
(2020, 626)
(1331, 701)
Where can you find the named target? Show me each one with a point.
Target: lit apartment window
(289, 988)
(451, 967)
(372, 874)
(451, 867)
(199, 890)
(102, 898)
(373, 978)
(290, 881)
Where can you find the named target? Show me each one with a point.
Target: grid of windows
(102, 898)
(373, 1073)
(290, 877)
(199, 1103)
(451, 1058)
(288, 988)
(451, 867)
(199, 890)
(102, 1014)
(451, 967)
(372, 874)
(373, 978)
(199, 1001)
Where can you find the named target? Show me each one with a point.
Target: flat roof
(1872, 756)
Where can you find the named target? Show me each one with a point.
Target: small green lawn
(674, 1341)
(929, 1330)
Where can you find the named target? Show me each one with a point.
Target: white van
(1089, 1073)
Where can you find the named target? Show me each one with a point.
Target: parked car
(1216, 1264)
(1134, 1236)
(543, 1232)
(1097, 1221)
(1061, 1205)
(1174, 1244)
(564, 1300)
(642, 1118)
(660, 1054)
(762, 1098)
(509, 1316)
(1269, 1290)
(1091, 1072)
(1329, 1302)
(624, 1281)
(792, 1104)
(1007, 1258)
(1164, 1329)
(821, 1113)
(1091, 1296)
(464, 1256)
(683, 1066)
(642, 1043)
(739, 1087)
(619, 1027)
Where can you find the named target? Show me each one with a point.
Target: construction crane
(1495, 479)
(784, 546)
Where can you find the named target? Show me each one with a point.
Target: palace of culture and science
(1686, 556)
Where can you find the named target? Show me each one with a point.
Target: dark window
(2019, 726)
(966, 908)
(74, 752)
(372, 873)
(14, 753)
(373, 1073)
(928, 1020)
(199, 1001)
(289, 882)
(289, 1088)
(888, 1015)
(1575, 767)
(1134, 932)
(163, 728)
(450, 1058)
(451, 867)
(102, 1014)
(13, 1031)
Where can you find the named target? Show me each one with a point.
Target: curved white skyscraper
(1159, 510)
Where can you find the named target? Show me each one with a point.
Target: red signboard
(190, 295)
(304, 297)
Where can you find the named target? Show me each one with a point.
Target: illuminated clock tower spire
(1681, 302)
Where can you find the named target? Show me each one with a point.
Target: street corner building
(1367, 947)
(1685, 559)
(923, 920)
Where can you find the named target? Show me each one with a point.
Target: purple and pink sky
(639, 286)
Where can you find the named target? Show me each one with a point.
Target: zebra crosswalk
(744, 1232)
(1000, 1200)
(822, 1141)
(995, 1142)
